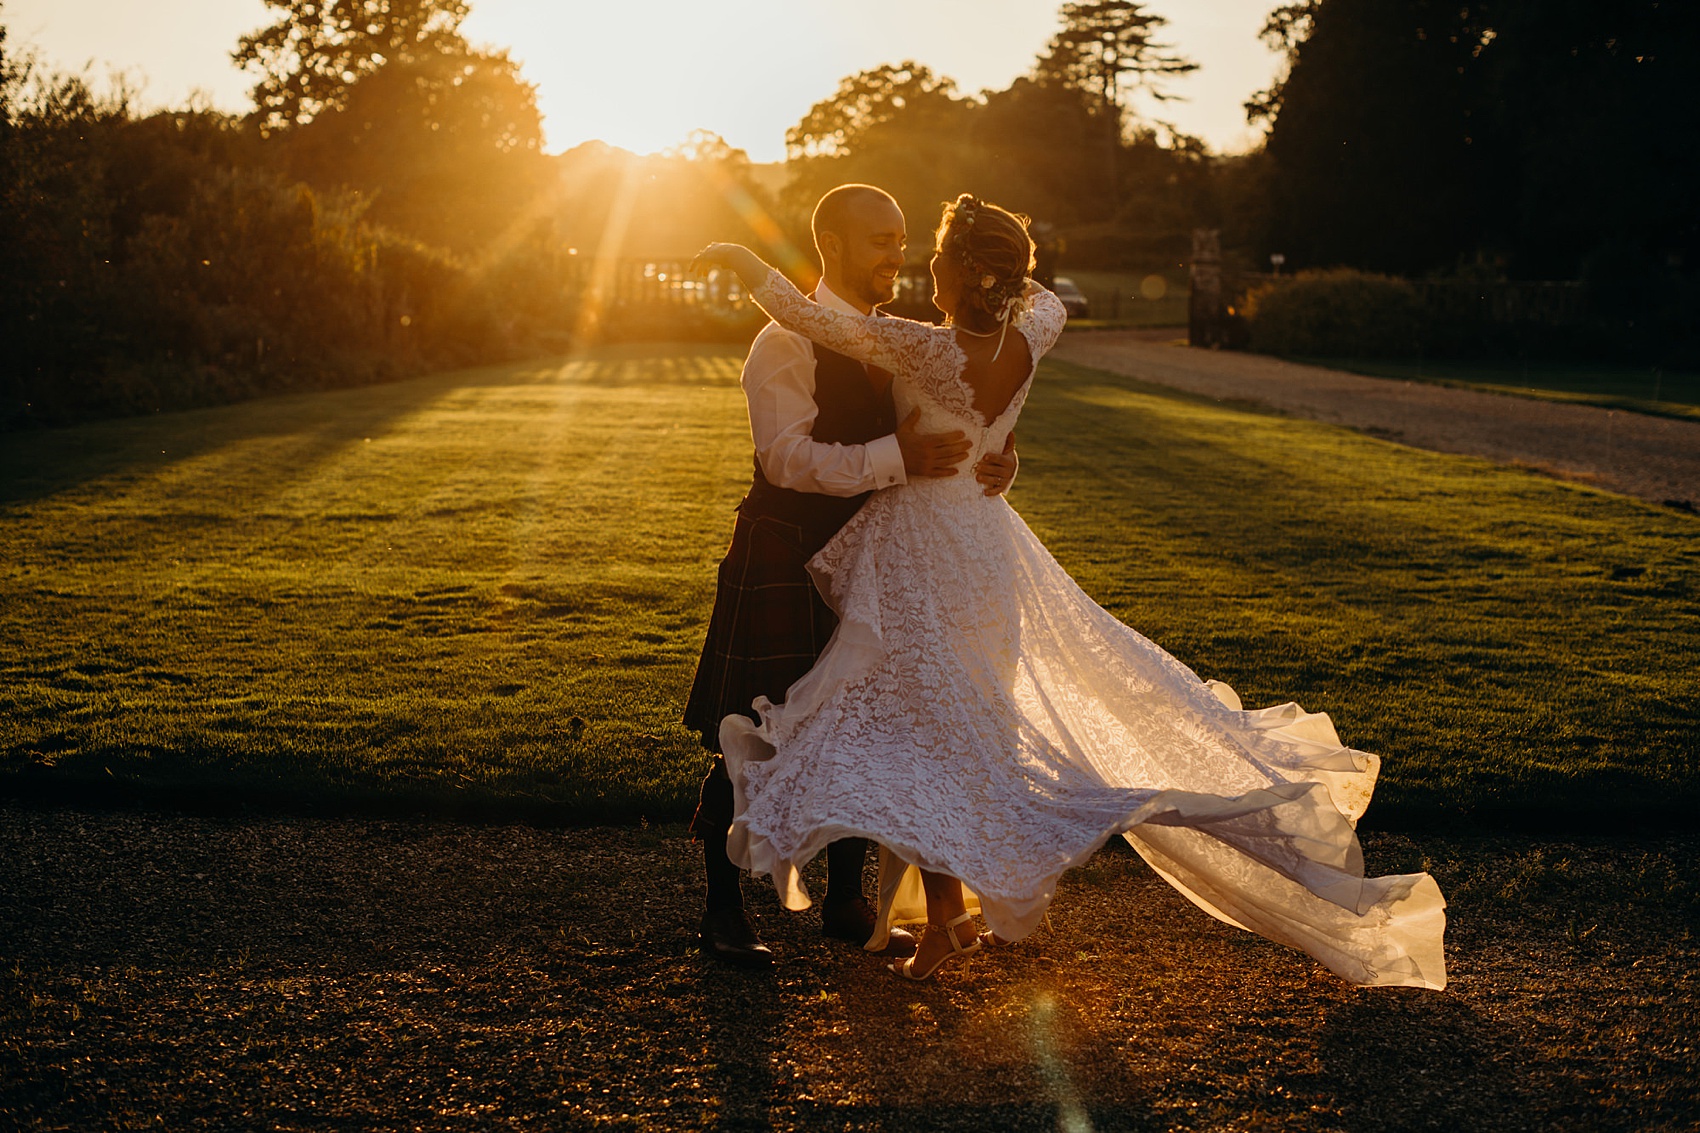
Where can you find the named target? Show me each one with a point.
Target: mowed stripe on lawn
(487, 589)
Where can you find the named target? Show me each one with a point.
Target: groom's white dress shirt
(779, 384)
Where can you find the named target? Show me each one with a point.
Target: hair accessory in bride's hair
(962, 216)
(998, 256)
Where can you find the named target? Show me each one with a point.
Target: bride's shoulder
(1044, 309)
(1042, 302)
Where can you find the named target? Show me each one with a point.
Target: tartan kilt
(769, 623)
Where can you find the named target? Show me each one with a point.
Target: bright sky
(746, 69)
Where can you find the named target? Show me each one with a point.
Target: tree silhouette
(317, 50)
(1101, 42)
(1043, 144)
(906, 94)
(1284, 30)
(1544, 138)
(447, 148)
(899, 126)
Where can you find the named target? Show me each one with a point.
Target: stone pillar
(1205, 310)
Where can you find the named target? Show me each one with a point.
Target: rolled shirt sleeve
(779, 384)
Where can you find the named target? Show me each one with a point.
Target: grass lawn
(485, 590)
(1640, 389)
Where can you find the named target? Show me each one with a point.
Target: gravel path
(175, 972)
(1655, 458)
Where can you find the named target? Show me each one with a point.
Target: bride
(991, 726)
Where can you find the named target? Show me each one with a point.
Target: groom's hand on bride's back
(996, 470)
(930, 454)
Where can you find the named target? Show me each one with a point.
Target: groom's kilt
(769, 623)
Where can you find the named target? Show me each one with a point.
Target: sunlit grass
(489, 588)
(1507, 642)
(487, 583)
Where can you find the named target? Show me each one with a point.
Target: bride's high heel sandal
(906, 968)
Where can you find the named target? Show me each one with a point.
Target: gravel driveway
(178, 972)
(1655, 458)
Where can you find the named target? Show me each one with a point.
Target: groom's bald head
(859, 233)
(849, 206)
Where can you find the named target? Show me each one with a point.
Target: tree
(1593, 104)
(906, 95)
(1101, 42)
(1551, 138)
(1061, 145)
(56, 233)
(318, 49)
(446, 148)
(1041, 147)
(9, 78)
(899, 126)
(664, 206)
(1286, 28)
(1380, 154)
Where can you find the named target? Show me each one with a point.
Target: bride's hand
(751, 268)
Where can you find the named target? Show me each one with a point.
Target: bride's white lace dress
(977, 714)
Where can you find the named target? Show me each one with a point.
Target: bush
(1336, 313)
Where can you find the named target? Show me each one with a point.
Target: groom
(825, 438)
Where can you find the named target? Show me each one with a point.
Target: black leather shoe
(728, 935)
(900, 944)
(851, 920)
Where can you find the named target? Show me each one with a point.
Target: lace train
(977, 714)
(1006, 755)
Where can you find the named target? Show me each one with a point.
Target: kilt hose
(768, 628)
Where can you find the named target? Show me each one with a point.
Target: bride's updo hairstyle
(993, 248)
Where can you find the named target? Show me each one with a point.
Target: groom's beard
(868, 282)
(875, 290)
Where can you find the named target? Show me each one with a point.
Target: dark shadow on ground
(251, 973)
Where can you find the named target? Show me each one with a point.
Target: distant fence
(648, 298)
(636, 299)
(656, 300)
(660, 283)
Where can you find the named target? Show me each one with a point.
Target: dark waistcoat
(851, 413)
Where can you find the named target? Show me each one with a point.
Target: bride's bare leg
(944, 904)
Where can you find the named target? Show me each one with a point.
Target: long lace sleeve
(898, 345)
(1042, 323)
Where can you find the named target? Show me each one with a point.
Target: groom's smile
(863, 252)
(871, 265)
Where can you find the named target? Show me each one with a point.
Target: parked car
(1072, 300)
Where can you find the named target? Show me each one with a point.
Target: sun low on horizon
(645, 77)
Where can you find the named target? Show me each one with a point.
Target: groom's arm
(779, 385)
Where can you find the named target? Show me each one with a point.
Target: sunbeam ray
(1071, 1115)
(598, 289)
(779, 247)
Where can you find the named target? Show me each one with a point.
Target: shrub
(1336, 313)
